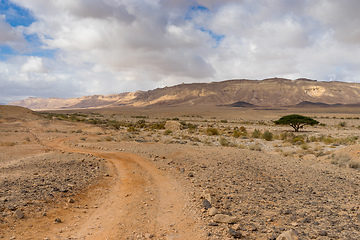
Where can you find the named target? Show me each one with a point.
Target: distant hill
(275, 92)
(16, 112)
(241, 104)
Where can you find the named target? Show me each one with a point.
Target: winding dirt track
(140, 201)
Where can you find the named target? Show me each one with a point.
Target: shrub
(298, 140)
(7, 144)
(354, 164)
(167, 132)
(340, 159)
(255, 147)
(224, 142)
(256, 133)
(304, 146)
(267, 135)
(342, 124)
(212, 131)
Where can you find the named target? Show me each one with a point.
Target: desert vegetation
(241, 163)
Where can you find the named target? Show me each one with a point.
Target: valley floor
(69, 180)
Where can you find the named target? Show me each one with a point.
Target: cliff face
(268, 92)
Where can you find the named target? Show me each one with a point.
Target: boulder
(222, 218)
(173, 126)
(288, 235)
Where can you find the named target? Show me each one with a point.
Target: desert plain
(185, 172)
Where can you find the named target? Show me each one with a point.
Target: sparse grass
(342, 124)
(340, 159)
(224, 142)
(167, 132)
(7, 144)
(212, 131)
(256, 133)
(255, 147)
(267, 135)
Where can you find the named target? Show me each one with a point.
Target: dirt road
(136, 201)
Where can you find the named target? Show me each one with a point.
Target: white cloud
(111, 46)
(34, 65)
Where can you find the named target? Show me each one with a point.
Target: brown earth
(116, 184)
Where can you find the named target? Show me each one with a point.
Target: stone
(213, 211)
(323, 233)
(288, 235)
(149, 235)
(206, 204)
(173, 126)
(222, 218)
(213, 224)
(234, 233)
(57, 220)
(70, 200)
(19, 214)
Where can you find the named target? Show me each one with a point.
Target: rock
(288, 235)
(323, 233)
(213, 211)
(149, 235)
(19, 214)
(57, 220)
(213, 224)
(234, 233)
(206, 204)
(70, 200)
(222, 218)
(173, 126)
(191, 174)
(207, 196)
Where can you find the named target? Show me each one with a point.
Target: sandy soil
(101, 183)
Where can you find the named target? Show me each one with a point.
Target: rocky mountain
(264, 93)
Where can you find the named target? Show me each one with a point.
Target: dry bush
(255, 147)
(256, 133)
(224, 142)
(267, 135)
(354, 164)
(340, 159)
(7, 144)
(212, 131)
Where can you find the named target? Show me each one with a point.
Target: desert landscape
(179, 172)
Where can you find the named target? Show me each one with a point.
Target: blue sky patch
(15, 15)
(216, 37)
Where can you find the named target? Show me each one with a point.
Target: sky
(74, 48)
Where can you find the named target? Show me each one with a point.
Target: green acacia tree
(296, 121)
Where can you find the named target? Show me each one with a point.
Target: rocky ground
(62, 180)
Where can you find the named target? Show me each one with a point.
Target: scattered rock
(234, 233)
(288, 235)
(213, 211)
(206, 204)
(213, 224)
(19, 214)
(149, 235)
(222, 218)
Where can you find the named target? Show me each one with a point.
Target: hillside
(269, 92)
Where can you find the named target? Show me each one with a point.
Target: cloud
(34, 65)
(10, 36)
(109, 46)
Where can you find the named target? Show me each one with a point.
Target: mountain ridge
(263, 93)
